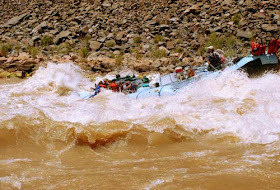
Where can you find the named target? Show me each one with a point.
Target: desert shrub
(17, 46)
(87, 37)
(134, 50)
(178, 50)
(85, 41)
(137, 39)
(63, 48)
(201, 50)
(46, 41)
(236, 18)
(159, 38)
(5, 49)
(227, 43)
(179, 41)
(83, 52)
(139, 56)
(110, 43)
(33, 51)
(155, 52)
(118, 60)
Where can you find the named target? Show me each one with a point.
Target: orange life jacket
(114, 86)
(191, 73)
(103, 85)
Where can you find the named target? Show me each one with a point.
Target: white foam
(230, 103)
(14, 181)
(155, 183)
(15, 160)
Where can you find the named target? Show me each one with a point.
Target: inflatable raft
(170, 84)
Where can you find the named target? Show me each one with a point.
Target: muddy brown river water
(218, 133)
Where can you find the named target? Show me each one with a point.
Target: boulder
(19, 74)
(162, 48)
(164, 61)
(39, 28)
(119, 36)
(23, 56)
(14, 21)
(4, 74)
(27, 66)
(142, 67)
(10, 59)
(227, 2)
(95, 45)
(269, 27)
(242, 22)
(3, 60)
(61, 37)
(156, 64)
(106, 4)
(216, 29)
(170, 45)
(194, 9)
(163, 27)
(259, 15)
(174, 19)
(244, 34)
(276, 17)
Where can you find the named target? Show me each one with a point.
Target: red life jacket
(273, 46)
(255, 48)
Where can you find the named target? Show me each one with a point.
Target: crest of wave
(60, 78)
(233, 103)
(230, 103)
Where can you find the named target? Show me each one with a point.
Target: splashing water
(46, 109)
(230, 103)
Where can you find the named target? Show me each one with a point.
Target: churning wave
(231, 104)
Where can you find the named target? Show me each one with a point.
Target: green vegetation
(236, 18)
(33, 51)
(17, 46)
(46, 41)
(63, 48)
(155, 52)
(110, 43)
(83, 52)
(177, 50)
(227, 44)
(179, 40)
(5, 49)
(139, 56)
(159, 38)
(137, 39)
(118, 60)
(87, 37)
(85, 41)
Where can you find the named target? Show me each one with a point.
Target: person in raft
(215, 59)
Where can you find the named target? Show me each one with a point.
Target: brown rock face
(13, 64)
(108, 28)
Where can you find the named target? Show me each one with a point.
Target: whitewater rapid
(231, 104)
